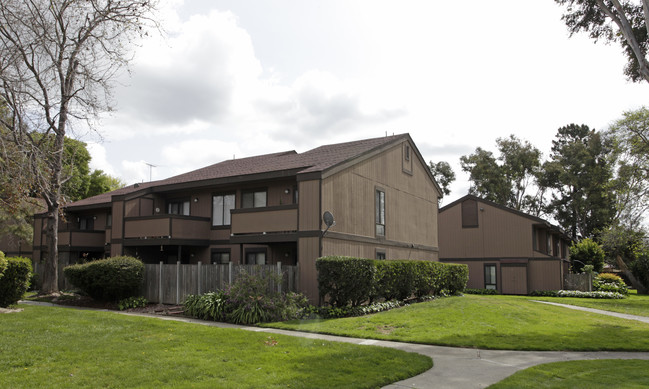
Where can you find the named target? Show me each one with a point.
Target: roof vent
(136, 186)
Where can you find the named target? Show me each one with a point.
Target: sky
(231, 79)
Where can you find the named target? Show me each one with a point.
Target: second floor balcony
(279, 219)
(167, 227)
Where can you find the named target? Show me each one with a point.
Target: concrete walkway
(643, 319)
(453, 367)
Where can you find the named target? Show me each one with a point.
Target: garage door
(514, 279)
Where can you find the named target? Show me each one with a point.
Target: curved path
(453, 367)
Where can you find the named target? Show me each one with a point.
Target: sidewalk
(453, 367)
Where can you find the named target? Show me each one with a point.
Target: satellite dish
(329, 221)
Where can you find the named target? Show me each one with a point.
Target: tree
(587, 252)
(623, 247)
(444, 175)
(579, 173)
(101, 182)
(58, 60)
(509, 178)
(622, 21)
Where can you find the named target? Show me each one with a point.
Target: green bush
(208, 306)
(545, 293)
(15, 280)
(394, 279)
(3, 263)
(110, 279)
(428, 278)
(607, 282)
(455, 277)
(132, 302)
(346, 280)
(587, 252)
(486, 291)
(640, 268)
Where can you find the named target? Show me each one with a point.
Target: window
(109, 220)
(407, 154)
(469, 214)
(87, 223)
(221, 207)
(221, 256)
(380, 254)
(379, 205)
(549, 244)
(296, 196)
(178, 207)
(490, 277)
(256, 257)
(253, 199)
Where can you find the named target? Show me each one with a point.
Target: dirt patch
(8, 310)
(385, 330)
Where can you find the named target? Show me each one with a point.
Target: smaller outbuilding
(505, 249)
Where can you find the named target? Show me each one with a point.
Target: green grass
(489, 322)
(633, 305)
(605, 374)
(68, 348)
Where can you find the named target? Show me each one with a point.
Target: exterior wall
(500, 234)
(308, 251)
(410, 207)
(332, 246)
(513, 278)
(545, 275)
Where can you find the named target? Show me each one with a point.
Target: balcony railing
(282, 218)
(82, 238)
(167, 226)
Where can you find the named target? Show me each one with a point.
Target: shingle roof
(315, 160)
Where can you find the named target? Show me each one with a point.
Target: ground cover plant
(69, 348)
(490, 322)
(611, 373)
(634, 304)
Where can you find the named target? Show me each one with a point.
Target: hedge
(15, 279)
(353, 281)
(110, 279)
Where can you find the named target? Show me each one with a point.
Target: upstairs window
(178, 207)
(221, 207)
(469, 214)
(379, 205)
(253, 199)
(87, 223)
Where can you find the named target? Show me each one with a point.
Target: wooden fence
(170, 284)
(582, 282)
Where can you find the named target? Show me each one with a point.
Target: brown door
(514, 279)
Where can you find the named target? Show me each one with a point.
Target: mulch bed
(71, 299)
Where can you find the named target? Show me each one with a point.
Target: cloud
(98, 158)
(195, 153)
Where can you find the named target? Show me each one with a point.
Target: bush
(607, 282)
(110, 279)
(132, 302)
(455, 277)
(15, 280)
(346, 280)
(3, 263)
(394, 279)
(640, 269)
(483, 291)
(428, 278)
(587, 252)
(594, 295)
(545, 293)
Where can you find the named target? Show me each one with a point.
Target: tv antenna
(151, 166)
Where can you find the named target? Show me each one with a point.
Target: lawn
(62, 347)
(489, 322)
(633, 305)
(604, 374)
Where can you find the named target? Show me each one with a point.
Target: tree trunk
(51, 271)
(634, 281)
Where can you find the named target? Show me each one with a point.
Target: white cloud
(98, 158)
(191, 154)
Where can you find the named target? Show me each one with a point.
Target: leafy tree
(579, 173)
(587, 252)
(509, 178)
(58, 60)
(101, 182)
(622, 21)
(444, 175)
(623, 246)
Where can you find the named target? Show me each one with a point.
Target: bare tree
(623, 21)
(58, 62)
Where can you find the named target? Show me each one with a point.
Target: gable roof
(316, 160)
(536, 219)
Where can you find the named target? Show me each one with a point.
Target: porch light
(287, 191)
(161, 249)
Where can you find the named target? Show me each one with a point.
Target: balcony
(82, 238)
(173, 229)
(280, 219)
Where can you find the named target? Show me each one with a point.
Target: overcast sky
(241, 78)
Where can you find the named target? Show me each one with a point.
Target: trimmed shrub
(346, 280)
(394, 279)
(428, 278)
(640, 269)
(110, 279)
(545, 293)
(3, 263)
(15, 280)
(455, 277)
(485, 291)
(607, 282)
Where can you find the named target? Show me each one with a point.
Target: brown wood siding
(411, 199)
(118, 219)
(545, 275)
(514, 279)
(368, 250)
(132, 208)
(500, 234)
(264, 221)
(309, 205)
(308, 252)
(190, 229)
